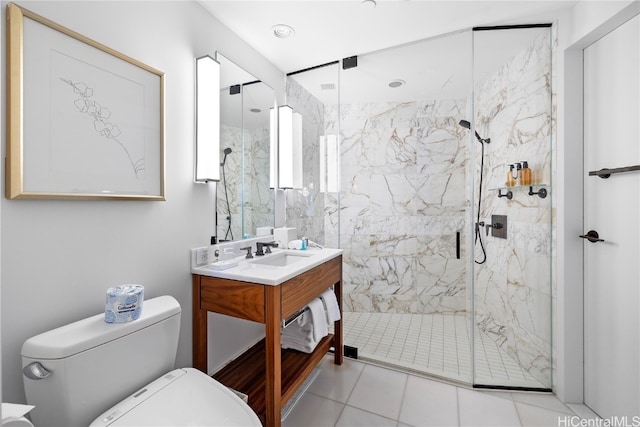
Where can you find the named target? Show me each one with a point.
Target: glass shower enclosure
(406, 159)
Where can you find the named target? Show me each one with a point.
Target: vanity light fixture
(273, 147)
(207, 119)
(289, 148)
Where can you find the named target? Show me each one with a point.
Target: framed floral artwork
(83, 120)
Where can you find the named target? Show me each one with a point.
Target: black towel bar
(606, 173)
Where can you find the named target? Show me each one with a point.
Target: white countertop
(252, 271)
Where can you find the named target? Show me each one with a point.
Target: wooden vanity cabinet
(269, 375)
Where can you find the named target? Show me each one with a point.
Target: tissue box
(284, 235)
(123, 303)
(264, 231)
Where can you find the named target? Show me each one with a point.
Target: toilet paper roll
(123, 303)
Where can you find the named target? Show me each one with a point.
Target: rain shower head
(466, 124)
(226, 152)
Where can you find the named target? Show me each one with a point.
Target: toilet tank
(93, 364)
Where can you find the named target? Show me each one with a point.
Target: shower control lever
(497, 226)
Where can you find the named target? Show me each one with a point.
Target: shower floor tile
(433, 344)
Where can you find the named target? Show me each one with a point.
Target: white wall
(59, 257)
(586, 22)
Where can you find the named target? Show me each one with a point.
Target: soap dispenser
(525, 174)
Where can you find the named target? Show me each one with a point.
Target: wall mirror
(244, 199)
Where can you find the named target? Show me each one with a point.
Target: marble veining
(408, 185)
(251, 201)
(513, 289)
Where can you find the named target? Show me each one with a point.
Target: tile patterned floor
(434, 344)
(358, 393)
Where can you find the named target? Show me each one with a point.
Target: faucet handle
(269, 246)
(249, 254)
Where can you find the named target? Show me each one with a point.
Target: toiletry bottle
(517, 178)
(525, 174)
(510, 181)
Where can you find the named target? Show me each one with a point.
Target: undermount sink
(282, 259)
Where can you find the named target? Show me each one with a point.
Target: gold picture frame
(83, 120)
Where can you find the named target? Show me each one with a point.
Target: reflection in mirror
(314, 209)
(244, 200)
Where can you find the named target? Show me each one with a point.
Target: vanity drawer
(298, 291)
(233, 298)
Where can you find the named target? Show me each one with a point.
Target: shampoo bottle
(510, 181)
(525, 174)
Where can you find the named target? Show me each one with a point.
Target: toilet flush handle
(35, 371)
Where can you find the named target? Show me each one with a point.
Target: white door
(612, 267)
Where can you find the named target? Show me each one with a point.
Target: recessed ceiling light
(368, 4)
(255, 110)
(396, 83)
(282, 31)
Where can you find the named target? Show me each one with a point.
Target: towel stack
(305, 333)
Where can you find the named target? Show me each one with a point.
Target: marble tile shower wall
(405, 192)
(513, 289)
(305, 207)
(257, 198)
(403, 198)
(230, 137)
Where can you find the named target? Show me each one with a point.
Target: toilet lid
(182, 397)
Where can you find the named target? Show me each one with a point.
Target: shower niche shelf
(539, 190)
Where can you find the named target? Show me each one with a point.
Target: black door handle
(592, 236)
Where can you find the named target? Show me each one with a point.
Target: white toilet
(94, 373)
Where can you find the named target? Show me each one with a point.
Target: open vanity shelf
(247, 373)
(269, 375)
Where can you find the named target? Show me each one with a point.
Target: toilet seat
(182, 397)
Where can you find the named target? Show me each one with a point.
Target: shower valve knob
(497, 226)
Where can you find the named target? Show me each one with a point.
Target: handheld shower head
(467, 125)
(226, 152)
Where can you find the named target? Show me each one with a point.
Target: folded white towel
(298, 337)
(303, 346)
(330, 302)
(318, 319)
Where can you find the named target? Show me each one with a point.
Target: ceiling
(427, 44)
(327, 30)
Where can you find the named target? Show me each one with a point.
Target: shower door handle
(592, 236)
